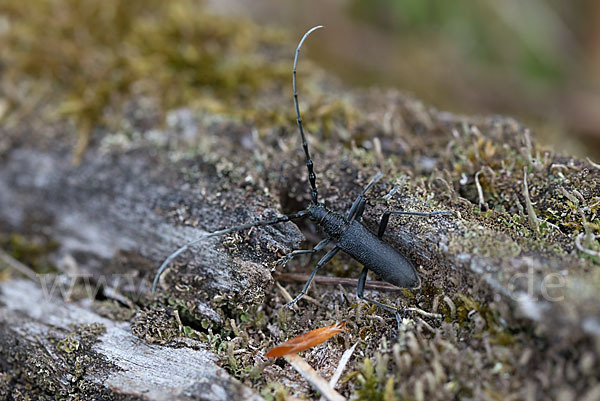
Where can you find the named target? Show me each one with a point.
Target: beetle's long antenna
(309, 163)
(280, 219)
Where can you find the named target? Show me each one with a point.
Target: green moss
(91, 58)
(274, 392)
(371, 386)
(32, 251)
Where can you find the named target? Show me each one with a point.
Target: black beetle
(345, 230)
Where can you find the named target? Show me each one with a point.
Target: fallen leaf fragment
(307, 340)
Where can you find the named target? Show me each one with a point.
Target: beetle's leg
(292, 254)
(205, 236)
(386, 217)
(392, 192)
(328, 256)
(360, 210)
(360, 290)
(354, 208)
(386, 197)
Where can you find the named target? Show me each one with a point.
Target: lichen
(54, 366)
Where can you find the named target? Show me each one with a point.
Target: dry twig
(316, 380)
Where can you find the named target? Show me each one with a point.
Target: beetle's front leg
(328, 256)
(292, 254)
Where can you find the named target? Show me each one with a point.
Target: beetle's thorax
(334, 224)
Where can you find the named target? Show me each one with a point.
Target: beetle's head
(316, 212)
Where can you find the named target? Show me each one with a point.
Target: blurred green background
(536, 60)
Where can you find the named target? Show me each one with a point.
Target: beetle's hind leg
(322, 244)
(328, 256)
(360, 291)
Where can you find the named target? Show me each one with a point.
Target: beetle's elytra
(344, 230)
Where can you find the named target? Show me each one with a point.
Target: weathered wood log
(60, 349)
(120, 213)
(109, 217)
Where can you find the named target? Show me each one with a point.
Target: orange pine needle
(307, 340)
